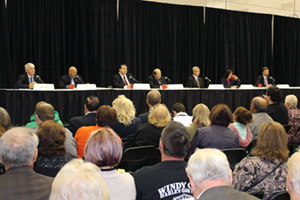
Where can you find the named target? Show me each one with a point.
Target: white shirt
(183, 118)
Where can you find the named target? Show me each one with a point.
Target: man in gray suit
(210, 176)
(18, 152)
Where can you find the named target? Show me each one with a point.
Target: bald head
(157, 73)
(258, 104)
(72, 71)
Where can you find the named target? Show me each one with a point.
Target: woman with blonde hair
(4, 121)
(126, 124)
(241, 118)
(266, 171)
(200, 119)
(149, 133)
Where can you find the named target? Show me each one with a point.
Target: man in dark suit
(28, 79)
(153, 98)
(156, 80)
(71, 79)
(195, 81)
(122, 79)
(265, 80)
(210, 176)
(18, 154)
(91, 106)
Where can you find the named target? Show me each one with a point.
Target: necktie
(198, 84)
(158, 82)
(266, 81)
(125, 80)
(31, 79)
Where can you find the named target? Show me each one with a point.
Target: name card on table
(283, 86)
(86, 86)
(175, 86)
(216, 86)
(141, 86)
(43, 86)
(246, 86)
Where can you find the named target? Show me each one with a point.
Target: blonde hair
(201, 114)
(125, 109)
(4, 121)
(159, 115)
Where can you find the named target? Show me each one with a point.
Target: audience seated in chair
(153, 98)
(291, 102)
(293, 176)
(180, 115)
(266, 170)
(5, 123)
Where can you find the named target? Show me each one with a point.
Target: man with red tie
(265, 80)
(122, 79)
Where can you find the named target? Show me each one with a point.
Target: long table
(20, 104)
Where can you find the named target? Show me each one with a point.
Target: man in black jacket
(71, 79)
(265, 80)
(195, 81)
(28, 79)
(122, 79)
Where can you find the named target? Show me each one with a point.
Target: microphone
(273, 79)
(38, 78)
(78, 79)
(167, 79)
(206, 78)
(132, 78)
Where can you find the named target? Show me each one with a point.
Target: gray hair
(293, 168)
(79, 180)
(194, 68)
(17, 147)
(257, 105)
(28, 66)
(292, 100)
(208, 164)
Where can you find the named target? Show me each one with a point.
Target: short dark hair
(175, 139)
(120, 66)
(221, 115)
(92, 103)
(45, 111)
(227, 72)
(264, 68)
(178, 107)
(106, 116)
(275, 94)
(243, 115)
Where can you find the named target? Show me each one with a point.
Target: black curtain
(239, 41)
(287, 50)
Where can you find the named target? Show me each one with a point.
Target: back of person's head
(106, 116)
(291, 100)
(125, 109)
(208, 164)
(5, 123)
(178, 107)
(272, 142)
(242, 115)
(293, 168)
(275, 94)
(175, 140)
(103, 148)
(18, 146)
(154, 97)
(259, 104)
(227, 72)
(221, 115)
(201, 114)
(159, 115)
(45, 112)
(79, 180)
(92, 103)
(52, 138)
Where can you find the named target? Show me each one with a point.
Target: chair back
(259, 194)
(234, 156)
(280, 196)
(287, 127)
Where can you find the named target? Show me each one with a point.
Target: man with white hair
(18, 152)
(28, 79)
(210, 176)
(291, 102)
(195, 81)
(293, 176)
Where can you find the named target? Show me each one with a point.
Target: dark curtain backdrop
(287, 50)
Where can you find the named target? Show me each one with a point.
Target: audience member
(242, 117)
(229, 80)
(180, 115)
(153, 98)
(32, 122)
(45, 112)
(70, 80)
(291, 102)
(276, 108)
(79, 180)
(105, 116)
(28, 79)
(195, 81)
(218, 135)
(156, 80)
(4, 121)
(210, 176)
(149, 133)
(200, 119)
(104, 149)
(293, 176)
(91, 106)
(126, 124)
(52, 152)
(258, 108)
(18, 153)
(122, 79)
(167, 179)
(266, 170)
(265, 80)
